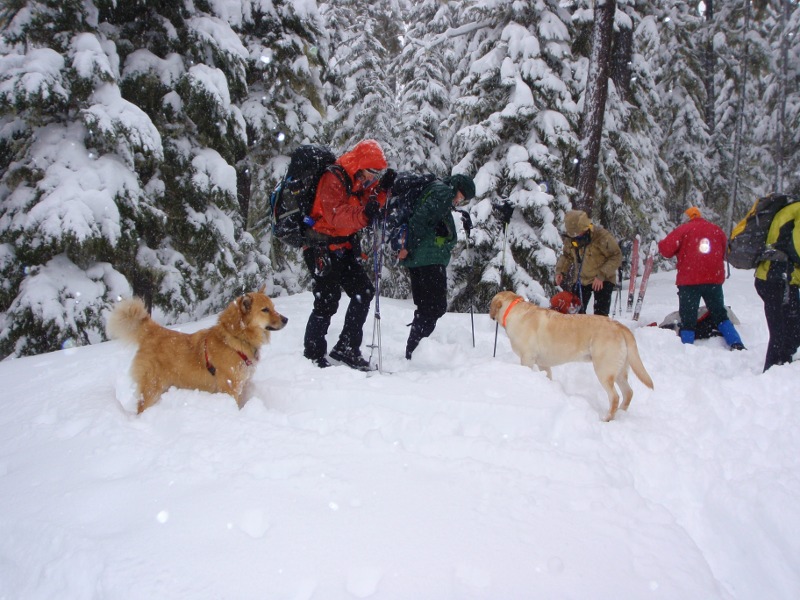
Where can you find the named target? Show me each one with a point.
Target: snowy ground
(459, 476)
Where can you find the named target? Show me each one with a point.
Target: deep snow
(458, 476)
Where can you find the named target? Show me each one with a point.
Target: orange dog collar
(510, 306)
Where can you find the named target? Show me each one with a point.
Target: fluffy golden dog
(218, 359)
(545, 338)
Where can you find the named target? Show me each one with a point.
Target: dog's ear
(246, 303)
(263, 289)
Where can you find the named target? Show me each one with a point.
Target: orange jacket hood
(366, 154)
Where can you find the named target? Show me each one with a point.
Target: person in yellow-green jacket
(778, 284)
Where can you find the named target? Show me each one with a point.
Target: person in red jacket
(700, 247)
(349, 196)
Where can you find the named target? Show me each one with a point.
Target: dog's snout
(276, 326)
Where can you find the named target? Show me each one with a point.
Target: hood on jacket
(692, 213)
(576, 222)
(366, 154)
(463, 184)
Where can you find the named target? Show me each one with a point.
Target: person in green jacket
(429, 241)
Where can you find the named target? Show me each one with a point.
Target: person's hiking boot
(730, 334)
(320, 361)
(350, 357)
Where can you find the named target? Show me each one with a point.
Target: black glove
(466, 221)
(318, 260)
(371, 209)
(387, 180)
(505, 210)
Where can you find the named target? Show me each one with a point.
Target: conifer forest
(140, 139)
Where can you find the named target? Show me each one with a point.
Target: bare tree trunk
(784, 81)
(622, 55)
(709, 65)
(737, 143)
(244, 190)
(595, 103)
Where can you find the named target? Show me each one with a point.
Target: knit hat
(576, 223)
(463, 184)
(692, 212)
(366, 154)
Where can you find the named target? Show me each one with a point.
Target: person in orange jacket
(349, 196)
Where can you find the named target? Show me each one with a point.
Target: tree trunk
(621, 62)
(709, 67)
(243, 190)
(737, 143)
(780, 142)
(595, 103)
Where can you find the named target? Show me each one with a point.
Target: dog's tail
(635, 360)
(128, 320)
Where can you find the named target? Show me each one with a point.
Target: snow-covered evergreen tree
(188, 71)
(629, 193)
(361, 88)
(78, 186)
(283, 108)
(778, 135)
(674, 39)
(515, 120)
(119, 137)
(139, 140)
(424, 86)
(634, 183)
(743, 61)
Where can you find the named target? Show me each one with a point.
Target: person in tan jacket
(588, 263)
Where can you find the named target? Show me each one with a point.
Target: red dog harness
(212, 369)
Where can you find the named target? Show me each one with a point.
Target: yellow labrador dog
(218, 359)
(545, 338)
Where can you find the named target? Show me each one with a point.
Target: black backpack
(293, 197)
(407, 188)
(748, 243)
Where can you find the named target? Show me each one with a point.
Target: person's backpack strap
(341, 175)
(339, 172)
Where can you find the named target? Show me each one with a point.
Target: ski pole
(502, 271)
(377, 250)
(625, 247)
(471, 313)
(618, 300)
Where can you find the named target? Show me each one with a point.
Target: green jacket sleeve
(431, 208)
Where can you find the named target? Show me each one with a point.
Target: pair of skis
(648, 268)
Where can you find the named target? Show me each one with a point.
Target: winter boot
(730, 334)
(314, 343)
(421, 327)
(412, 343)
(322, 362)
(350, 357)
(687, 336)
